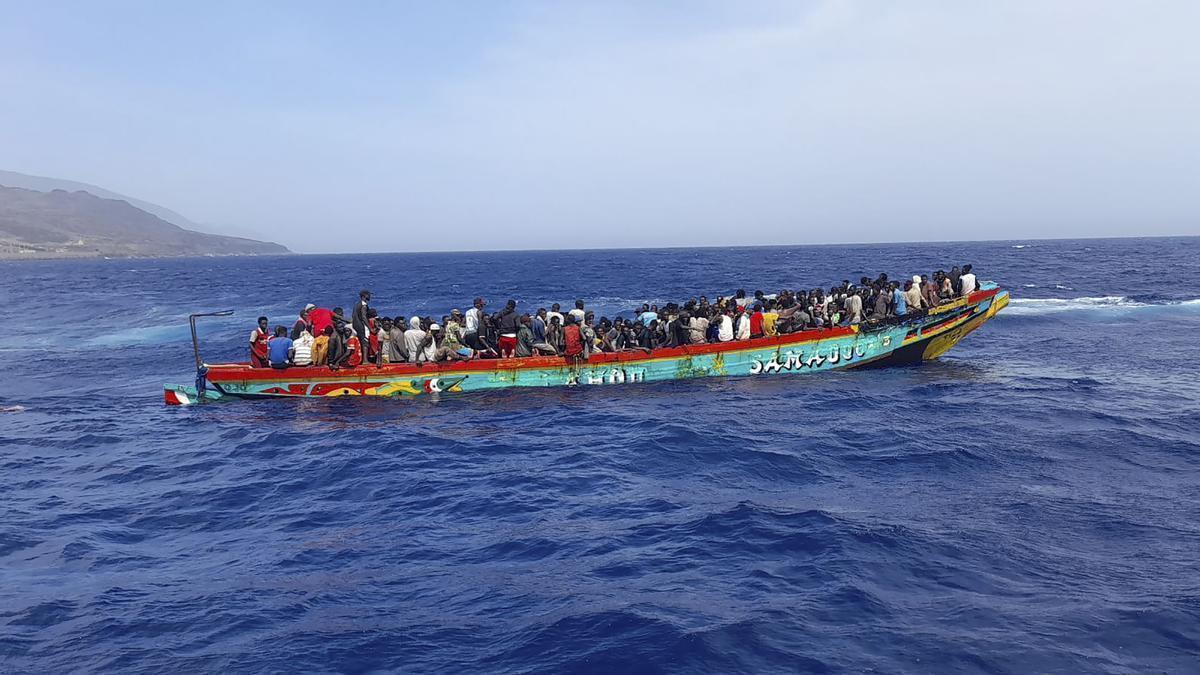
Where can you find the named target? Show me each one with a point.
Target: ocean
(1028, 503)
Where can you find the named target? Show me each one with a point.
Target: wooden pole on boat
(195, 340)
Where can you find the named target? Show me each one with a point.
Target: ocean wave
(1023, 306)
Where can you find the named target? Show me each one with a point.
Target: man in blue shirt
(279, 350)
(901, 307)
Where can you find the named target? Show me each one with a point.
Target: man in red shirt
(259, 337)
(756, 322)
(319, 318)
(573, 339)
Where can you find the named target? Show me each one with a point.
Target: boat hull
(913, 340)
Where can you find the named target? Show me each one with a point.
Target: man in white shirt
(471, 323)
(303, 349)
(967, 279)
(743, 325)
(578, 312)
(725, 332)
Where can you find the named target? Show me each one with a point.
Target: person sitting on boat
(371, 353)
(967, 281)
(770, 319)
(337, 354)
(354, 349)
(912, 295)
(756, 320)
(302, 322)
(854, 307)
(452, 337)
(396, 350)
(527, 342)
(646, 314)
(929, 290)
(899, 305)
(259, 339)
(698, 326)
(320, 347)
(279, 349)
(383, 335)
(742, 331)
(442, 351)
(302, 349)
(418, 343)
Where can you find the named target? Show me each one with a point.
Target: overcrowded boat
(847, 339)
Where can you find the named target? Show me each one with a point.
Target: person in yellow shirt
(770, 318)
(320, 347)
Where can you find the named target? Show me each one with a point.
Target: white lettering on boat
(615, 376)
(795, 359)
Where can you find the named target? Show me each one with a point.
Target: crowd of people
(324, 337)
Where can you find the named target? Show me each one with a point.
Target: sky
(405, 126)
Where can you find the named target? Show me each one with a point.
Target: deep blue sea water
(1029, 503)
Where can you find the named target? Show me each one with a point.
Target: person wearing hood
(416, 342)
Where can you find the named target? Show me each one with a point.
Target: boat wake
(1107, 303)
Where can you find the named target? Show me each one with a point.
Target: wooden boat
(920, 336)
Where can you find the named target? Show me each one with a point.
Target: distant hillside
(61, 224)
(45, 184)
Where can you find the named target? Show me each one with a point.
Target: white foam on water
(1109, 303)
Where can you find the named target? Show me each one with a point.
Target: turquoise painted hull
(916, 339)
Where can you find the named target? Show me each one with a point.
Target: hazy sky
(434, 126)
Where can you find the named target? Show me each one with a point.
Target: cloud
(622, 125)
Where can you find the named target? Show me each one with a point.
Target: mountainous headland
(49, 218)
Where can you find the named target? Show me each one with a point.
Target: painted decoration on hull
(921, 338)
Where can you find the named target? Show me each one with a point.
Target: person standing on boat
(573, 340)
(302, 323)
(955, 286)
(361, 318)
(508, 322)
(967, 281)
(474, 318)
(260, 338)
(578, 312)
(318, 319)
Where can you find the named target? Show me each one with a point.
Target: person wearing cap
(302, 322)
(446, 352)
(742, 331)
(452, 335)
